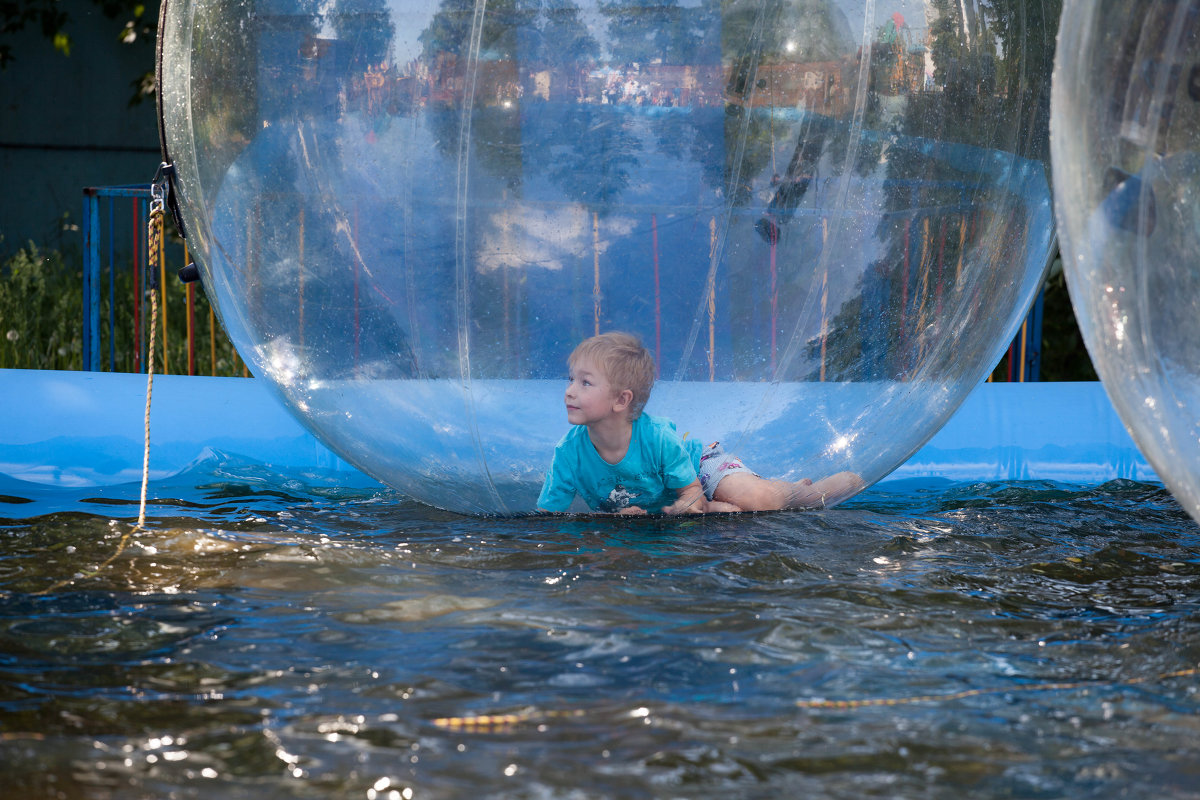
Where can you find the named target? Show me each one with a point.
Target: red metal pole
(940, 265)
(191, 328)
(357, 321)
(904, 279)
(138, 233)
(774, 301)
(657, 298)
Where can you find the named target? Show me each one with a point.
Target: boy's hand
(632, 511)
(686, 507)
(691, 500)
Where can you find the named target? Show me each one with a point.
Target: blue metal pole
(91, 280)
(139, 281)
(1033, 339)
(112, 289)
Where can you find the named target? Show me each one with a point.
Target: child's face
(590, 397)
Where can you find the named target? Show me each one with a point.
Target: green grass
(41, 319)
(41, 306)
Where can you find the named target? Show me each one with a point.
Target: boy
(626, 462)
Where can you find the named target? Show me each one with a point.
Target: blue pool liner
(78, 429)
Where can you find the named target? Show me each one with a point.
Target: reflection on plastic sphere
(825, 219)
(1126, 136)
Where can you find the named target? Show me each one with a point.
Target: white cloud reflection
(523, 236)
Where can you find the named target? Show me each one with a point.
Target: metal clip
(158, 197)
(159, 188)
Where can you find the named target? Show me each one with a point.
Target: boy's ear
(623, 400)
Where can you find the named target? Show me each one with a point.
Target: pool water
(274, 635)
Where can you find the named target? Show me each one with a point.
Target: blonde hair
(624, 362)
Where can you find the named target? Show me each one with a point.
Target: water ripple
(274, 635)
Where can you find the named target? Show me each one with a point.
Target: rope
(500, 723)
(141, 523)
(154, 237)
(154, 234)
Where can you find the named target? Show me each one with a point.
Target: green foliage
(212, 352)
(46, 14)
(133, 23)
(1062, 354)
(1064, 357)
(40, 311)
(41, 320)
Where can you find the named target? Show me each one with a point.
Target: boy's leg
(753, 493)
(750, 492)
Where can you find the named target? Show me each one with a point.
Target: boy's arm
(689, 500)
(677, 466)
(558, 487)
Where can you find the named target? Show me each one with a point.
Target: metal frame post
(91, 280)
(1033, 339)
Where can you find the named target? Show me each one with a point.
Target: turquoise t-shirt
(657, 464)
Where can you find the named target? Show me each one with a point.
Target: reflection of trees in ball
(368, 27)
(976, 86)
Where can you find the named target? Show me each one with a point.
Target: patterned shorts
(715, 464)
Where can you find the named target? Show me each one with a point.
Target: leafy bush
(41, 319)
(41, 306)
(1064, 357)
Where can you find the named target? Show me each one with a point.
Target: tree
(368, 25)
(564, 38)
(992, 66)
(134, 25)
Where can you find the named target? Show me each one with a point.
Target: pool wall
(86, 429)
